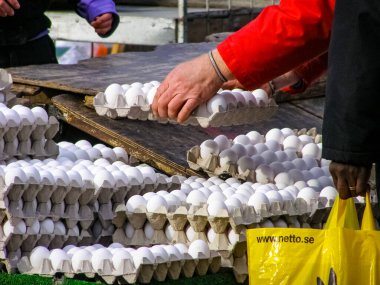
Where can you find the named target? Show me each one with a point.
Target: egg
(305, 139)
(287, 132)
(136, 202)
(312, 150)
(47, 226)
(329, 192)
(169, 232)
(98, 257)
(250, 99)
(190, 233)
(255, 137)
(227, 156)
(223, 142)
(239, 98)
(57, 257)
(135, 96)
(199, 249)
(284, 178)
(276, 135)
(182, 248)
(134, 173)
(307, 194)
(266, 224)
(150, 96)
(280, 223)
(155, 203)
(257, 201)
(232, 203)
(15, 176)
(121, 154)
(159, 253)
(211, 235)
(114, 95)
(230, 99)
(261, 96)
(34, 229)
(26, 114)
(215, 208)
(119, 257)
(142, 255)
(37, 256)
(79, 257)
(12, 117)
(264, 174)
(217, 104)
(196, 198)
(274, 196)
(208, 148)
(173, 252)
(148, 173)
(242, 139)
(286, 195)
(59, 228)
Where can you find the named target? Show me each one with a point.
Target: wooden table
(163, 146)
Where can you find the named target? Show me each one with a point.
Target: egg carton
(126, 272)
(212, 167)
(243, 114)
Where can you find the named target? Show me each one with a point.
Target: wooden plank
(164, 146)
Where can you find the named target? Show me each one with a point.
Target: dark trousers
(40, 51)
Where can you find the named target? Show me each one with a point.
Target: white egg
(142, 255)
(129, 230)
(199, 249)
(211, 235)
(217, 104)
(312, 149)
(135, 96)
(258, 200)
(179, 194)
(155, 203)
(239, 98)
(78, 257)
(196, 198)
(47, 226)
(26, 114)
(232, 236)
(267, 224)
(114, 95)
(249, 98)
(150, 96)
(286, 195)
(300, 185)
(307, 194)
(264, 174)
(57, 257)
(208, 148)
(215, 208)
(59, 228)
(190, 233)
(121, 154)
(227, 156)
(160, 254)
(223, 142)
(38, 255)
(305, 139)
(119, 257)
(296, 175)
(134, 173)
(280, 223)
(287, 132)
(274, 196)
(15, 176)
(173, 252)
(34, 229)
(148, 173)
(93, 153)
(329, 192)
(242, 139)
(169, 232)
(98, 257)
(255, 137)
(136, 202)
(230, 99)
(232, 203)
(261, 96)
(292, 142)
(284, 178)
(275, 134)
(239, 149)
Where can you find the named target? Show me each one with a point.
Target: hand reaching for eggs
(102, 24)
(188, 85)
(7, 7)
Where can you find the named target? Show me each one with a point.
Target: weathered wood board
(164, 146)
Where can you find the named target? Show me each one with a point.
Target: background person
(24, 28)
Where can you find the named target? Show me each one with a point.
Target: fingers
(350, 180)
(103, 23)
(7, 7)
(187, 109)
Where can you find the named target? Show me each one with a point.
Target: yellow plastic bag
(339, 254)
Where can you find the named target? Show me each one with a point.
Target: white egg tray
(243, 114)
(29, 140)
(212, 166)
(126, 272)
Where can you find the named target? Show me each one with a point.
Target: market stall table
(163, 146)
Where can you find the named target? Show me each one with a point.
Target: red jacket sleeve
(280, 39)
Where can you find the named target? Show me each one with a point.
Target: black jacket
(351, 122)
(27, 22)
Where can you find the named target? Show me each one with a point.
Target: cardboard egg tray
(160, 270)
(212, 167)
(29, 140)
(243, 114)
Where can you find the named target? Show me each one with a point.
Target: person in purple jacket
(24, 28)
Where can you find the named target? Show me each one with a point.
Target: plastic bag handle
(343, 215)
